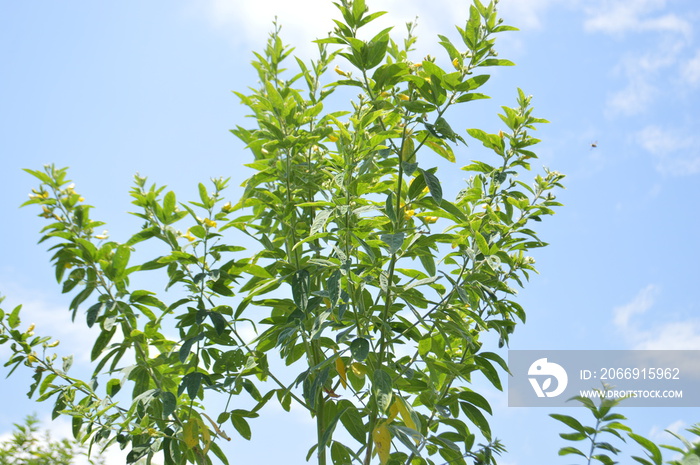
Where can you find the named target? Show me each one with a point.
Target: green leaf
(690, 459)
(329, 429)
(214, 447)
(477, 418)
(320, 221)
(169, 402)
(204, 195)
(119, 262)
(477, 399)
(382, 388)
(389, 207)
(445, 130)
(481, 243)
(340, 454)
(453, 210)
(416, 187)
(428, 263)
(76, 423)
(187, 347)
(113, 387)
(300, 289)
(394, 241)
(471, 96)
(359, 348)
(101, 342)
(653, 449)
(13, 319)
(67, 363)
(571, 450)
(333, 287)
(93, 312)
(473, 83)
(191, 383)
(352, 421)
(573, 436)
(488, 371)
(144, 234)
(219, 322)
(388, 75)
(433, 184)
(418, 106)
(169, 203)
(241, 426)
(571, 422)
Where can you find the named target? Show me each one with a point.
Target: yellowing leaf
(359, 369)
(382, 442)
(340, 368)
(190, 433)
(394, 410)
(405, 413)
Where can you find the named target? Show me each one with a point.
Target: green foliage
(28, 447)
(379, 315)
(608, 427)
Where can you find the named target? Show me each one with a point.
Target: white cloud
(690, 70)
(678, 335)
(645, 74)
(634, 99)
(676, 151)
(617, 17)
(642, 302)
(526, 14)
(54, 320)
(652, 71)
(660, 435)
(252, 20)
(670, 335)
(249, 23)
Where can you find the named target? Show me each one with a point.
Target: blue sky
(111, 89)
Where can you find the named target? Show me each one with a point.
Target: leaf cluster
(611, 425)
(370, 280)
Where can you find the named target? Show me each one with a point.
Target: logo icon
(541, 368)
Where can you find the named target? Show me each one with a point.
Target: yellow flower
(227, 207)
(455, 63)
(31, 358)
(333, 138)
(403, 97)
(189, 236)
(209, 223)
(408, 214)
(430, 219)
(340, 71)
